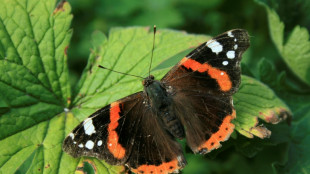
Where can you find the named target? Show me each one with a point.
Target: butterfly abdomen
(174, 125)
(161, 104)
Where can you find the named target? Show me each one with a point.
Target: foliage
(40, 103)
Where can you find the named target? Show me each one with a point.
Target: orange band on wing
(220, 76)
(164, 168)
(222, 134)
(114, 147)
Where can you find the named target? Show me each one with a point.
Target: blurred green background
(210, 17)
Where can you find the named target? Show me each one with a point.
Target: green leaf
(269, 76)
(298, 156)
(128, 50)
(296, 53)
(296, 48)
(98, 38)
(34, 84)
(255, 100)
(276, 29)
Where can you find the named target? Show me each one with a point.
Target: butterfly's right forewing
(202, 84)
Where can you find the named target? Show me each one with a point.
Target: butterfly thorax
(161, 103)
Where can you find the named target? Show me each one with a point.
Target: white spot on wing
(230, 34)
(222, 73)
(110, 144)
(81, 145)
(236, 46)
(71, 135)
(180, 158)
(89, 144)
(235, 40)
(74, 142)
(89, 127)
(215, 46)
(99, 143)
(230, 54)
(225, 63)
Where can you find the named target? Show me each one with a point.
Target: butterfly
(193, 101)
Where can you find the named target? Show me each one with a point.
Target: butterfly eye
(152, 77)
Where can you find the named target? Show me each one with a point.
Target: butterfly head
(148, 81)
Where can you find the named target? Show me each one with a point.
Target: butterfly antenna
(119, 72)
(152, 49)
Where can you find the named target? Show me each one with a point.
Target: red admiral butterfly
(193, 101)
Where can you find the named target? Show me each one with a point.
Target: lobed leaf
(295, 50)
(255, 100)
(34, 86)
